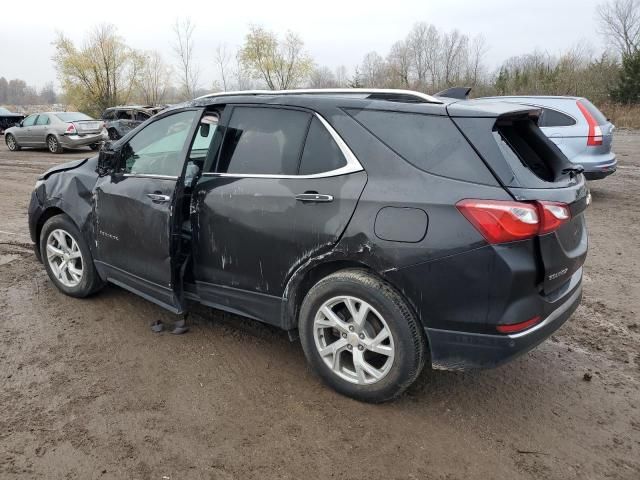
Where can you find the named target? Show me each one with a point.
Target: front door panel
(133, 232)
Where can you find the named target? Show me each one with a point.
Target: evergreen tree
(628, 88)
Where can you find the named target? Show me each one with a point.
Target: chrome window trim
(352, 166)
(151, 175)
(328, 91)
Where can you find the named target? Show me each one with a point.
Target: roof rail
(390, 94)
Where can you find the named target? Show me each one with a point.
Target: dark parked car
(8, 119)
(387, 228)
(121, 120)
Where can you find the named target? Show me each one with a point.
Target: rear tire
(113, 134)
(12, 143)
(67, 258)
(381, 348)
(54, 145)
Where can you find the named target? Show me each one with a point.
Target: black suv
(389, 228)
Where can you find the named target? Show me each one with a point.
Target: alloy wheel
(65, 258)
(353, 340)
(52, 144)
(11, 142)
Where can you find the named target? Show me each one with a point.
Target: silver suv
(578, 128)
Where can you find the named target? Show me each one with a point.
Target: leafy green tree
(100, 73)
(280, 63)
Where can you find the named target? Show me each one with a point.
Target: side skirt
(162, 296)
(258, 306)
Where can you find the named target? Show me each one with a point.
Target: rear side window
(593, 110)
(263, 141)
(321, 153)
(42, 120)
(553, 118)
(430, 143)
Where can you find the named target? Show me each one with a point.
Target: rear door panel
(252, 233)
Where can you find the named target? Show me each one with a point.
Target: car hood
(63, 167)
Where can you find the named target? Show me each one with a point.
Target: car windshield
(72, 116)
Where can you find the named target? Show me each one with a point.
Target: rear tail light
(519, 327)
(71, 128)
(595, 132)
(553, 216)
(501, 221)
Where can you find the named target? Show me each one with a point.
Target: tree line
(104, 70)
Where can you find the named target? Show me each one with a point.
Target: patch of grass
(622, 116)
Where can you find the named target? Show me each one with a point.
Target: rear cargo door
(533, 169)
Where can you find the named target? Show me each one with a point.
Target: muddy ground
(87, 391)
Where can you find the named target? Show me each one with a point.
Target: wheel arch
(301, 282)
(46, 215)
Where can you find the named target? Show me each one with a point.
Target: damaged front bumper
(454, 350)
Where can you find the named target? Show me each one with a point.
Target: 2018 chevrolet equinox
(392, 229)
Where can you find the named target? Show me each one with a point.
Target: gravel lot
(87, 391)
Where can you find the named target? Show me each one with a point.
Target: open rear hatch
(533, 170)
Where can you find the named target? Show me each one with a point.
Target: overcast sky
(335, 32)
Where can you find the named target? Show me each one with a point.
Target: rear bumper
(600, 169)
(76, 141)
(454, 350)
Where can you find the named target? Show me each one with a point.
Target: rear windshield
(431, 143)
(593, 110)
(73, 116)
(520, 140)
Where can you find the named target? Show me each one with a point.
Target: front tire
(54, 145)
(67, 258)
(360, 336)
(12, 143)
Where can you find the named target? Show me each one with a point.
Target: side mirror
(108, 159)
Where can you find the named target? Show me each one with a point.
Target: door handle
(158, 198)
(314, 197)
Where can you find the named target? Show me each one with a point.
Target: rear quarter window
(321, 153)
(428, 142)
(553, 118)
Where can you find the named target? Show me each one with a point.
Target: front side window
(29, 121)
(157, 148)
(42, 120)
(263, 141)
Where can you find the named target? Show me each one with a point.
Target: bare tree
(222, 57)
(322, 77)
(454, 46)
(373, 71)
(475, 56)
(399, 63)
(342, 77)
(154, 79)
(183, 49)
(620, 23)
